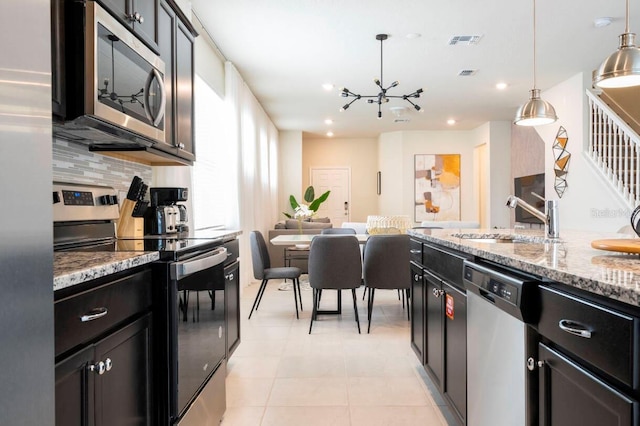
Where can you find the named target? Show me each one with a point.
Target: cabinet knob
(108, 365)
(437, 292)
(99, 368)
(417, 277)
(136, 17)
(181, 145)
(229, 277)
(532, 364)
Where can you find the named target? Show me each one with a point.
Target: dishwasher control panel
(513, 294)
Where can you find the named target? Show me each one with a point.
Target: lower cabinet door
(571, 395)
(232, 299)
(74, 403)
(417, 304)
(434, 297)
(455, 326)
(123, 391)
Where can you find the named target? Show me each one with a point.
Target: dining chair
(262, 270)
(338, 231)
(386, 266)
(334, 264)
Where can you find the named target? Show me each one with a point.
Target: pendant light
(622, 67)
(535, 111)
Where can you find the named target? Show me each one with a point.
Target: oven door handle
(180, 270)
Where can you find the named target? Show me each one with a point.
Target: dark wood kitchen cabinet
(139, 15)
(58, 104)
(587, 366)
(103, 340)
(175, 44)
(232, 296)
(439, 312)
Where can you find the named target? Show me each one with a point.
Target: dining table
(304, 241)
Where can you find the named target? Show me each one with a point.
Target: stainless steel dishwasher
(499, 304)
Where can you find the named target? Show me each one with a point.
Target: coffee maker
(165, 215)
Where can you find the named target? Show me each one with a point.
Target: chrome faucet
(550, 219)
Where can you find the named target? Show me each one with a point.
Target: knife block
(129, 226)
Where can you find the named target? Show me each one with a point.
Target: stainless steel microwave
(115, 92)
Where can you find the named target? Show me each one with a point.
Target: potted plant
(304, 211)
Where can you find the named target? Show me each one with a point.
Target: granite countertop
(571, 260)
(71, 268)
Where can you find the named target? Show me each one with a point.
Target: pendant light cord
(534, 45)
(381, 77)
(626, 25)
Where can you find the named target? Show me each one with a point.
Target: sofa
(290, 227)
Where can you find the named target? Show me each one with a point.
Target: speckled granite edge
(571, 260)
(72, 268)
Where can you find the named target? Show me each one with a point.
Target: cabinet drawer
(604, 338)
(233, 251)
(120, 300)
(415, 250)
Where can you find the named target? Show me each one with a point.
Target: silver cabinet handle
(437, 292)
(99, 368)
(415, 251)
(574, 328)
(229, 277)
(417, 277)
(108, 365)
(94, 314)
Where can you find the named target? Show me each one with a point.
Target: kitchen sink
(502, 238)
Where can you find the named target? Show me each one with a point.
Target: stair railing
(614, 148)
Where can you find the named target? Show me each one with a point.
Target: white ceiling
(286, 49)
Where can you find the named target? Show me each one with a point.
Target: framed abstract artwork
(437, 187)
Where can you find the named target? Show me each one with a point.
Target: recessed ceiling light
(328, 121)
(413, 35)
(330, 133)
(451, 122)
(501, 86)
(328, 86)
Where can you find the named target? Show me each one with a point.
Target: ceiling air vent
(467, 40)
(467, 73)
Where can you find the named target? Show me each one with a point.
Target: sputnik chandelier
(381, 97)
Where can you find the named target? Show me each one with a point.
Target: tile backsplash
(74, 163)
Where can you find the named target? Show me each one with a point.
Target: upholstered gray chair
(386, 266)
(340, 231)
(262, 270)
(334, 263)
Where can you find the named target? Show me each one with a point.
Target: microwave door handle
(163, 97)
(180, 270)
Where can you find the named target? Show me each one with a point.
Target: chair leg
(295, 296)
(299, 293)
(364, 293)
(355, 308)
(401, 291)
(315, 308)
(399, 297)
(258, 297)
(372, 293)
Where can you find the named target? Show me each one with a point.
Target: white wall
(397, 151)
(499, 135)
(360, 155)
(290, 173)
(588, 203)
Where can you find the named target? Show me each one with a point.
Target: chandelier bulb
(417, 107)
(394, 84)
(379, 115)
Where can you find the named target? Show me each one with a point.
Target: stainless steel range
(188, 300)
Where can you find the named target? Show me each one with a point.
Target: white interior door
(337, 180)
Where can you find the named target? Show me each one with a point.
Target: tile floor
(281, 375)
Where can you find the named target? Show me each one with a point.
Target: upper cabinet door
(184, 92)
(143, 14)
(139, 15)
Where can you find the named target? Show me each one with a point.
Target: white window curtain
(256, 139)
